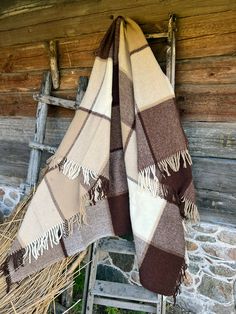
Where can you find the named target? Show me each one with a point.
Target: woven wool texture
(123, 167)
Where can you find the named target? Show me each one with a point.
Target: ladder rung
(156, 35)
(125, 305)
(114, 245)
(43, 147)
(124, 291)
(55, 101)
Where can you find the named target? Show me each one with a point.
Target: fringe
(173, 162)
(71, 169)
(36, 248)
(147, 180)
(180, 279)
(190, 210)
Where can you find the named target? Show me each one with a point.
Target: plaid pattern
(123, 166)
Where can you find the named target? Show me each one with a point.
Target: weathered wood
(215, 174)
(125, 305)
(42, 147)
(210, 45)
(207, 71)
(54, 64)
(55, 101)
(196, 102)
(68, 19)
(27, 82)
(39, 135)
(124, 291)
(211, 140)
(217, 207)
(114, 245)
(207, 102)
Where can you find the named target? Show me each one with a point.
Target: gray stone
(193, 268)
(222, 270)
(6, 212)
(109, 273)
(8, 202)
(214, 250)
(190, 303)
(232, 254)
(215, 289)
(14, 195)
(191, 246)
(205, 238)
(123, 261)
(223, 309)
(227, 237)
(195, 258)
(205, 228)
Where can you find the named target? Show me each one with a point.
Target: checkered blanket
(123, 167)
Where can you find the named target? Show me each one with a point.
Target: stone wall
(210, 284)
(9, 197)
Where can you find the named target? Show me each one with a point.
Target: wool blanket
(123, 167)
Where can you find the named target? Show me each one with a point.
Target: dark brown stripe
(109, 39)
(139, 49)
(94, 113)
(53, 198)
(164, 276)
(120, 215)
(115, 149)
(63, 247)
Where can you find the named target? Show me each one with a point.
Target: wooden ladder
(114, 294)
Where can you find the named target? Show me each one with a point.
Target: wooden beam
(71, 20)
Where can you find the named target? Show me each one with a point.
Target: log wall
(205, 79)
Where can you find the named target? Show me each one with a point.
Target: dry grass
(35, 293)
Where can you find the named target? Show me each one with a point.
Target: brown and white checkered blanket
(122, 167)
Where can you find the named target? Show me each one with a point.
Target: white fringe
(190, 210)
(72, 170)
(50, 238)
(174, 161)
(147, 180)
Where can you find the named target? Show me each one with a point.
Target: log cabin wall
(205, 80)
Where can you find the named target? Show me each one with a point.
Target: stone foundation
(9, 197)
(210, 284)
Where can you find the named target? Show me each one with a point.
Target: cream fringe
(174, 161)
(190, 210)
(51, 237)
(147, 180)
(72, 170)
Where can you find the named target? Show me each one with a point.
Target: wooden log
(43, 11)
(215, 174)
(216, 140)
(27, 82)
(33, 26)
(207, 71)
(207, 102)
